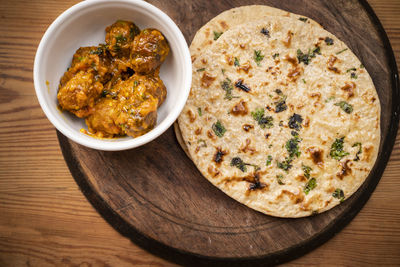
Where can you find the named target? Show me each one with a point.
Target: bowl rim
(123, 143)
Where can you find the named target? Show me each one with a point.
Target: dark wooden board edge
(185, 258)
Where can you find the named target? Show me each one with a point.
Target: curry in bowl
(116, 86)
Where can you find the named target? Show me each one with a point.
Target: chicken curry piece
(116, 86)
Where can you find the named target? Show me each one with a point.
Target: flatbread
(205, 37)
(321, 145)
(179, 138)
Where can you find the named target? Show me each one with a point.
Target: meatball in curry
(149, 50)
(129, 108)
(89, 59)
(116, 86)
(79, 94)
(119, 37)
(82, 84)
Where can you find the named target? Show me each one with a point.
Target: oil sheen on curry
(116, 86)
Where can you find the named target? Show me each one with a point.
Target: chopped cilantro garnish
(218, 129)
(265, 32)
(279, 178)
(258, 56)
(337, 151)
(338, 194)
(238, 163)
(217, 35)
(236, 62)
(353, 75)
(346, 107)
(301, 57)
(269, 160)
(99, 50)
(104, 93)
(317, 51)
(329, 41)
(310, 185)
(199, 111)
(120, 38)
(280, 105)
(264, 122)
(258, 114)
(284, 165)
(303, 19)
(352, 69)
(359, 145)
(241, 165)
(306, 170)
(202, 69)
(341, 51)
(227, 87)
(292, 146)
(295, 121)
(275, 55)
(306, 58)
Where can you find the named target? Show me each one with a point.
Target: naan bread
(208, 34)
(282, 117)
(211, 31)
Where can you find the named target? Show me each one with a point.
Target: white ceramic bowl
(84, 25)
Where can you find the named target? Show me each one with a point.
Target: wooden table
(46, 220)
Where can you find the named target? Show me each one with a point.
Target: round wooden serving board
(155, 195)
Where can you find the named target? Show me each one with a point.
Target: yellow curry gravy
(116, 86)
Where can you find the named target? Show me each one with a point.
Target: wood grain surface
(157, 197)
(45, 219)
